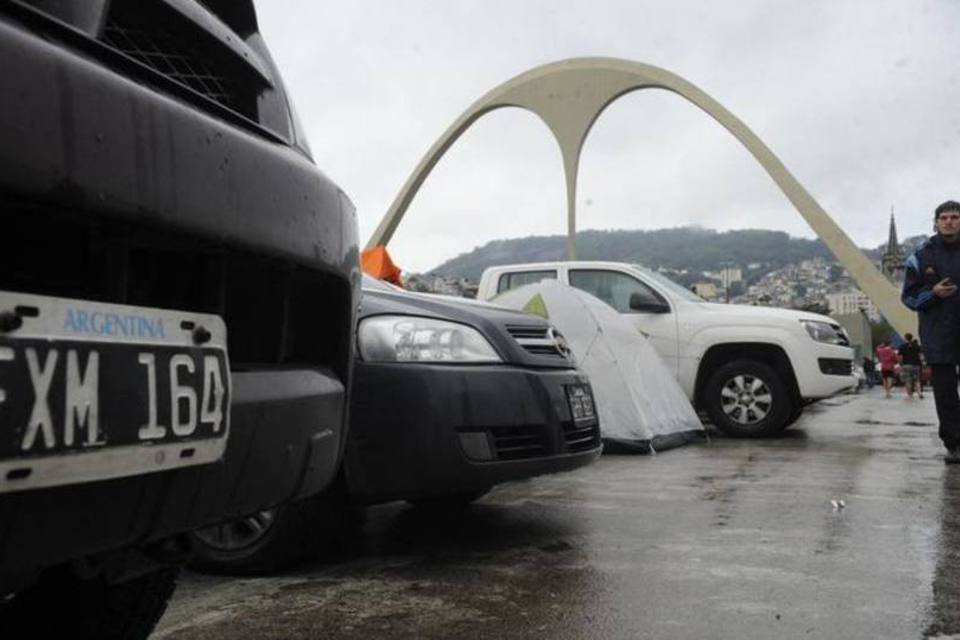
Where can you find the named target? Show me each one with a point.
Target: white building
(851, 302)
(706, 290)
(729, 275)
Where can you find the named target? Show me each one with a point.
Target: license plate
(91, 391)
(580, 400)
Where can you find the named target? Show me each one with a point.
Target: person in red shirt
(888, 358)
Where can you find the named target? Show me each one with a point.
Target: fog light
(476, 445)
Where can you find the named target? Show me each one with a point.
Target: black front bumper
(419, 430)
(285, 434)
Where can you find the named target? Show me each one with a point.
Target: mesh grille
(186, 58)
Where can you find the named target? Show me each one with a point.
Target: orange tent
(377, 263)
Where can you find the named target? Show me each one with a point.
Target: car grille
(582, 436)
(152, 35)
(537, 340)
(835, 366)
(276, 313)
(518, 443)
(159, 50)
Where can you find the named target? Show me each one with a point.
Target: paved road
(730, 539)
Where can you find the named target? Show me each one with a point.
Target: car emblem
(559, 341)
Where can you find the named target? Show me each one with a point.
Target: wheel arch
(770, 354)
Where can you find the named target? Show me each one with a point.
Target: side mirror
(640, 303)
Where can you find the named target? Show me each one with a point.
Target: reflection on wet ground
(729, 539)
(945, 608)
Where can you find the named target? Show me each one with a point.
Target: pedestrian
(887, 356)
(929, 288)
(910, 359)
(869, 371)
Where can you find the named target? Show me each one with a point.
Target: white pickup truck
(751, 369)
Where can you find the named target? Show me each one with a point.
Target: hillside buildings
(817, 284)
(706, 290)
(852, 301)
(891, 264)
(824, 283)
(802, 285)
(726, 277)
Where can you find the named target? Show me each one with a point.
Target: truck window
(513, 280)
(613, 287)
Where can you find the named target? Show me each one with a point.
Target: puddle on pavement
(944, 612)
(907, 423)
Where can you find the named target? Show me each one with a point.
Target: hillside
(692, 248)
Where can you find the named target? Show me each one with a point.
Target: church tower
(893, 258)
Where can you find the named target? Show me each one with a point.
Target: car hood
(748, 314)
(375, 302)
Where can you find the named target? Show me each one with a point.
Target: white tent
(639, 403)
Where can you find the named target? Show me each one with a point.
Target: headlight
(825, 332)
(414, 339)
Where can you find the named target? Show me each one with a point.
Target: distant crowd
(904, 364)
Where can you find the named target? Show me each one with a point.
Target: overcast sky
(861, 101)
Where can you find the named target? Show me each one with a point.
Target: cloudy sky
(861, 101)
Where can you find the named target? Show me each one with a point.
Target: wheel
(796, 410)
(88, 608)
(746, 398)
(450, 502)
(269, 541)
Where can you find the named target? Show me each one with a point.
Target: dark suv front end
(149, 159)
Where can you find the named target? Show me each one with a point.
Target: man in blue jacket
(929, 288)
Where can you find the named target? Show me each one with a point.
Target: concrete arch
(570, 95)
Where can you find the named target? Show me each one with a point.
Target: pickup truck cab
(751, 369)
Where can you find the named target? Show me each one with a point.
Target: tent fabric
(377, 263)
(639, 403)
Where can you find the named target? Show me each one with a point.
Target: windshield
(678, 290)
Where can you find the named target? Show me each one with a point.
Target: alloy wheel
(746, 399)
(238, 534)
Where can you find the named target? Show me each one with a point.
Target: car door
(656, 318)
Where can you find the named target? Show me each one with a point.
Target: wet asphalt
(727, 539)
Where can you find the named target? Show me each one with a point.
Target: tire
(451, 502)
(796, 410)
(63, 605)
(270, 541)
(747, 399)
